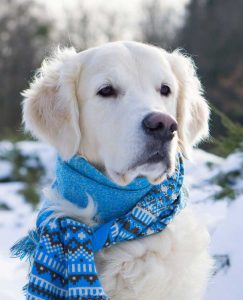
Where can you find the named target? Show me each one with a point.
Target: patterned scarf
(62, 249)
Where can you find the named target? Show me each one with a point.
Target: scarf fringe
(25, 248)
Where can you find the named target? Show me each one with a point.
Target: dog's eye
(165, 90)
(107, 91)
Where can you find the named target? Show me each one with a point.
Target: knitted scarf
(61, 250)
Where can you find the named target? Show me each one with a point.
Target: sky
(131, 7)
(123, 4)
(129, 10)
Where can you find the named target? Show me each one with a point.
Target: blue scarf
(62, 249)
(77, 178)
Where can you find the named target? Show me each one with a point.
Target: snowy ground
(216, 192)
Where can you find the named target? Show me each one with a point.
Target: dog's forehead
(127, 57)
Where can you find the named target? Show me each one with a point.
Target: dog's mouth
(148, 161)
(155, 158)
(154, 167)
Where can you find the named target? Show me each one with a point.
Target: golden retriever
(128, 108)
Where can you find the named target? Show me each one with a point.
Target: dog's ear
(50, 107)
(192, 108)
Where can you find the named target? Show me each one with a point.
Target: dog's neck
(77, 179)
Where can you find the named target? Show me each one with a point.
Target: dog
(128, 108)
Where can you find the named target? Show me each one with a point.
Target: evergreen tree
(24, 33)
(213, 35)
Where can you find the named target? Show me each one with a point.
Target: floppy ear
(192, 108)
(50, 107)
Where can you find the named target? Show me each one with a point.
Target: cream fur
(62, 208)
(171, 265)
(62, 107)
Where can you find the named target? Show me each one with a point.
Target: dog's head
(125, 106)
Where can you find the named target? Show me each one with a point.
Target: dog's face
(127, 107)
(127, 101)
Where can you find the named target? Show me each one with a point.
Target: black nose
(159, 125)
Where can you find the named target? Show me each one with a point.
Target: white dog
(128, 108)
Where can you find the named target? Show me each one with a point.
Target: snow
(232, 163)
(228, 238)
(14, 223)
(46, 154)
(6, 169)
(223, 217)
(5, 146)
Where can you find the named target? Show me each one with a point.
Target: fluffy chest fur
(173, 265)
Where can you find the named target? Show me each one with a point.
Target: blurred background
(211, 31)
